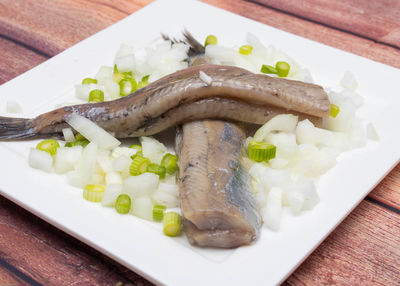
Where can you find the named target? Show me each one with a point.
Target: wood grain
(314, 31)
(363, 250)
(50, 257)
(376, 20)
(8, 279)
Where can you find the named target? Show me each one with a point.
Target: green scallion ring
(50, 146)
(96, 95)
(170, 162)
(334, 110)
(245, 50)
(261, 151)
(139, 165)
(172, 224)
(210, 40)
(282, 69)
(268, 69)
(123, 204)
(158, 212)
(127, 86)
(156, 169)
(89, 80)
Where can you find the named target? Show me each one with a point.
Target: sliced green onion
(158, 212)
(268, 69)
(282, 69)
(50, 146)
(93, 193)
(245, 50)
(127, 74)
(115, 69)
(127, 86)
(145, 78)
(139, 165)
(170, 162)
(138, 153)
(334, 110)
(136, 147)
(211, 40)
(123, 204)
(261, 151)
(172, 224)
(89, 80)
(79, 137)
(156, 169)
(96, 95)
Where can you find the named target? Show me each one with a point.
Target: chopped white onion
(111, 194)
(113, 178)
(92, 131)
(143, 184)
(68, 135)
(272, 212)
(121, 163)
(152, 149)
(67, 158)
(41, 160)
(282, 122)
(142, 207)
(85, 168)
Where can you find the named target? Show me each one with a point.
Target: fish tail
(15, 128)
(196, 49)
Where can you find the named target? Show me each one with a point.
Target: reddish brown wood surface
(376, 20)
(362, 250)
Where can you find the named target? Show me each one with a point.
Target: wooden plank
(363, 250)
(376, 20)
(320, 33)
(51, 257)
(60, 29)
(16, 59)
(9, 279)
(388, 191)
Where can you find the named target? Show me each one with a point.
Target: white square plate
(140, 245)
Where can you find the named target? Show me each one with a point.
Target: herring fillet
(218, 205)
(135, 114)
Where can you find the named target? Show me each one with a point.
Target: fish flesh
(148, 110)
(217, 202)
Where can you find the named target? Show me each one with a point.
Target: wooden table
(364, 249)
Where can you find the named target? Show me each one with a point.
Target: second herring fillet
(217, 202)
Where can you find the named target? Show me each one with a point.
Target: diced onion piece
(67, 158)
(96, 95)
(273, 210)
(371, 132)
(126, 63)
(110, 195)
(92, 131)
(143, 184)
(50, 146)
(308, 190)
(282, 122)
(168, 188)
(13, 107)
(123, 204)
(152, 149)
(164, 198)
(170, 162)
(282, 69)
(143, 207)
(85, 167)
(210, 40)
(93, 193)
(158, 212)
(334, 110)
(123, 151)
(295, 201)
(261, 151)
(68, 135)
(348, 81)
(205, 77)
(103, 74)
(41, 160)
(112, 90)
(139, 165)
(121, 163)
(172, 224)
(156, 169)
(113, 178)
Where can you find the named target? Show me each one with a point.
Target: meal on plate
(218, 184)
